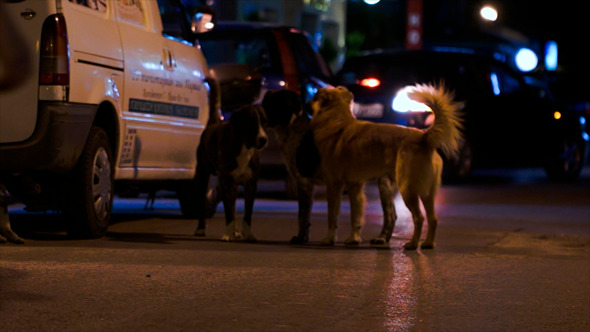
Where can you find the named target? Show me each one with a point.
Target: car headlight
(402, 103)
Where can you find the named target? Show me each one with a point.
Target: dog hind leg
(357, 212)
(428, 201)
(334, 193)
(305, 191)
(249, 194)
(432, 221)
(387, 191)
(413, 203)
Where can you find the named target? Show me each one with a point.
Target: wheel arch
(107, 119)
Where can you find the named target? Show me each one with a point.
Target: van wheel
(89, 197)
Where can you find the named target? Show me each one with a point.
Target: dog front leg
(334, 192)
(202, 185)
(230, 193)
(387, 193)
(6, 233)
(305, 191)
(249, 195)
(357, 212)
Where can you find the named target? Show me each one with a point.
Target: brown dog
(354, 151)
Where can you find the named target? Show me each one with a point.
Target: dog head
(249, 122)
(326, 99)
(281, 107)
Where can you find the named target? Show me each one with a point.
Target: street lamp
(371, 2)
(489, 13)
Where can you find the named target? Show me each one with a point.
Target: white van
(118, 95)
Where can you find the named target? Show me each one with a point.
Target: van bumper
(59, 137)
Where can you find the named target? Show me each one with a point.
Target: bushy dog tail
(445, 134)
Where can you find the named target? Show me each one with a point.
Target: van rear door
(18, 106)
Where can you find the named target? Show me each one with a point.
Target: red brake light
(54, 67)
(370, 82)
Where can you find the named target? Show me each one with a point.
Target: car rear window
(254, 49)
(396, 71)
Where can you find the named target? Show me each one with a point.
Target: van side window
(98, 5)
(174, 18)
(131, 11)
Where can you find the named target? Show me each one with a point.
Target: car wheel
(567, 162)
(89, 198)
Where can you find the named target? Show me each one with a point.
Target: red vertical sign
(414, 17)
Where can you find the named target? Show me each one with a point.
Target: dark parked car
(508, 122)
(252, 58)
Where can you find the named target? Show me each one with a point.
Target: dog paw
(299, 239)
(200, 232)
(427, 245)
(328, 241)
(378, 241)
(11, 237)
(249, 237)
(228, 238)
(16, 239)
(352, 241)
(411, 246)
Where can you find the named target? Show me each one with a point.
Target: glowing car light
(370, 82)
(495, 84)
(551, 53)
(526, 60)
(402, 103)
(557, 115)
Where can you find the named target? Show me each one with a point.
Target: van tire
(89, 196)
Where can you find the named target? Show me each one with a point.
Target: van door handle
(167, 59)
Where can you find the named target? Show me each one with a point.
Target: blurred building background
(554, 31)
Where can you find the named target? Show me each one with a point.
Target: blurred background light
(489, 13)
(370, 82)
(403, 103)
(526, 60)
(551, 55)
(371, 2)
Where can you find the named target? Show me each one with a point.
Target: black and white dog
(230, 150)
(285, 114)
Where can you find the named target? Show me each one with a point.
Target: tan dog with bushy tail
(354, 151)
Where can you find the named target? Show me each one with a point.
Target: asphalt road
(513, 254)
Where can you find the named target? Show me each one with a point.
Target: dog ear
(345, 94)
(261, 115)
(325, 98)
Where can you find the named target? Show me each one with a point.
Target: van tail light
(54, 67)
